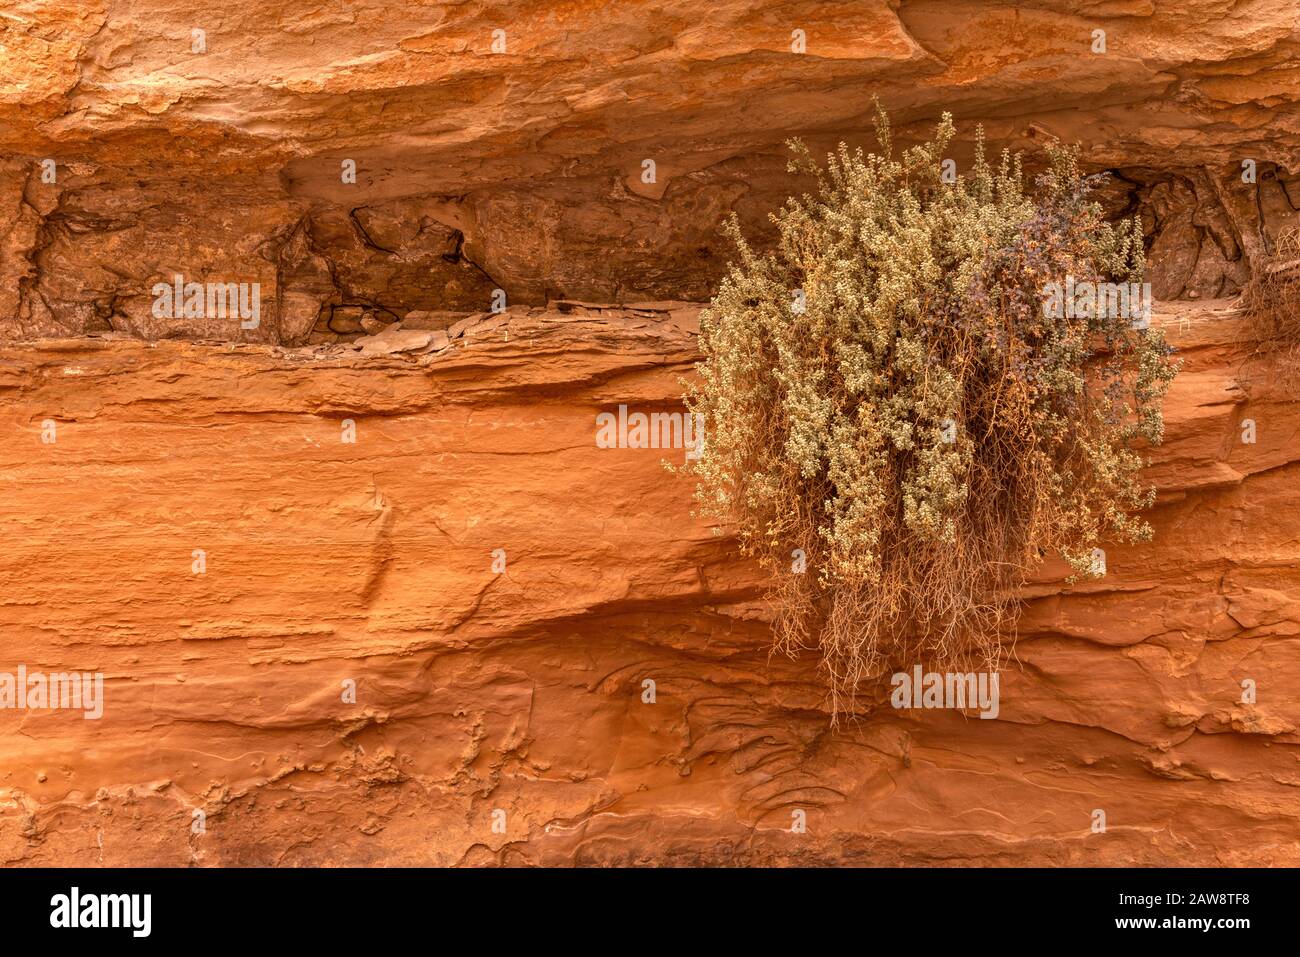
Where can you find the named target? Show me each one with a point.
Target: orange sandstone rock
(523, 690)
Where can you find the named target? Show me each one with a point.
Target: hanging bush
(892, 392)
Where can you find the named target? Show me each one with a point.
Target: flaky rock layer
(363, 586)
(523, 691)
(586, 152)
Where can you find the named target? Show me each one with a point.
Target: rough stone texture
(522, 691)
(522, 170)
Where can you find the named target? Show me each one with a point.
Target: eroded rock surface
(523, 691)
(212, 142)
(148, 140)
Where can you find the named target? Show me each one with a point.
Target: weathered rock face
(499, 588)
(215, 144)
(355, 569)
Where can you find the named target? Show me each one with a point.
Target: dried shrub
(914, 422)
(1271, 302)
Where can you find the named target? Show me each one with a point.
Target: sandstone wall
(523, 170)
(372, 561)
(522, 691)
